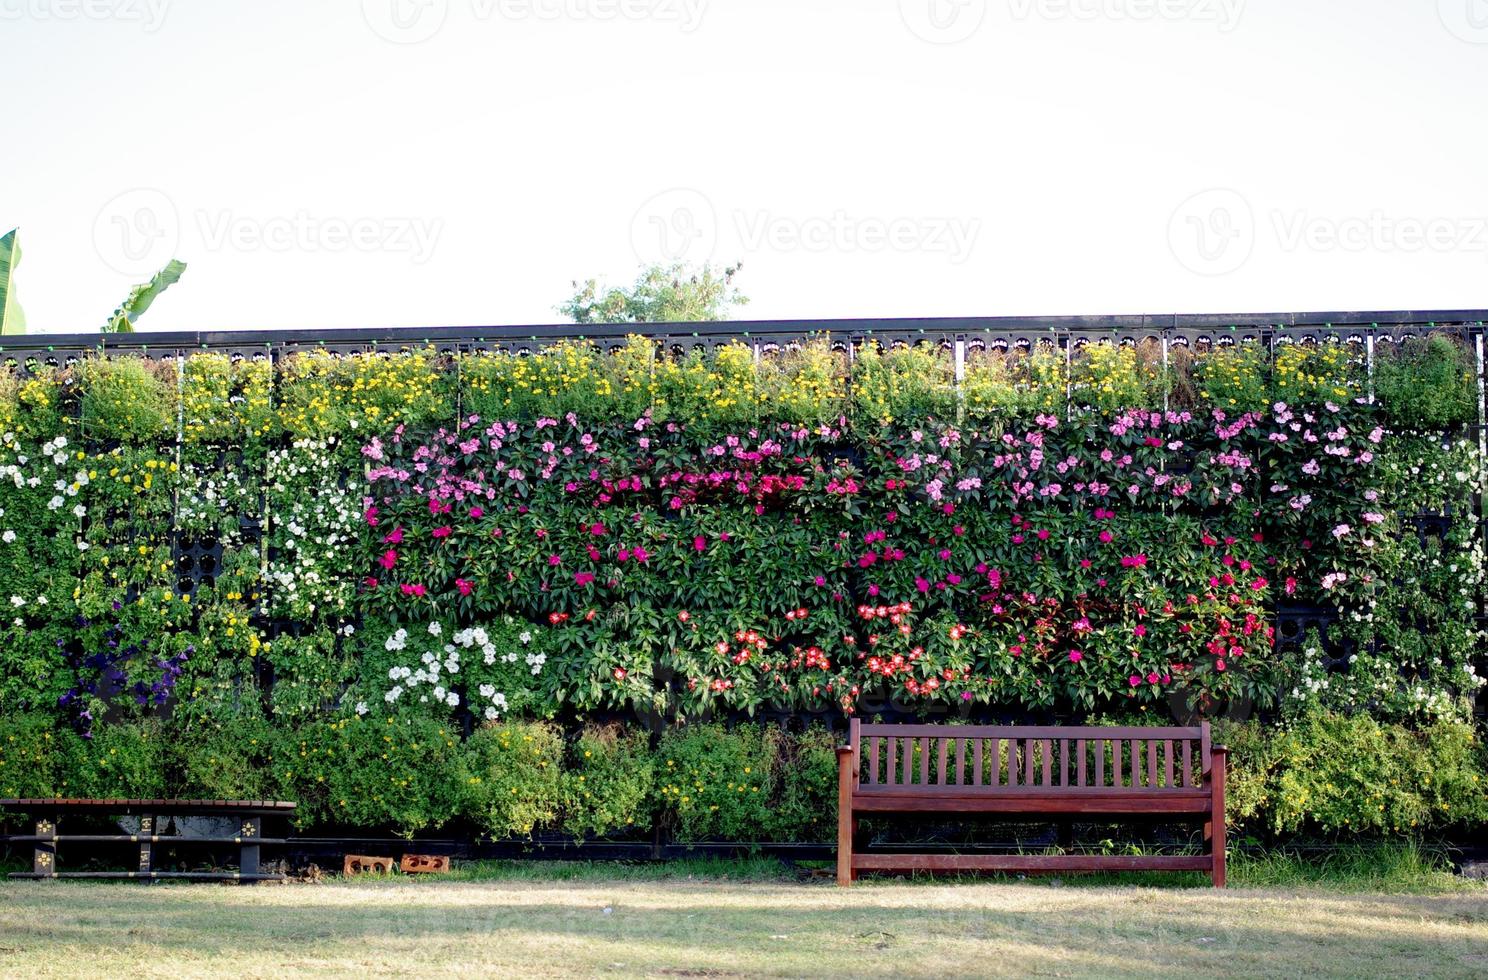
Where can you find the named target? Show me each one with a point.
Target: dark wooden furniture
(1024, 770)
(48, 815)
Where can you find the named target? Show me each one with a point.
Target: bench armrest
(1218, 755)
(843, 750)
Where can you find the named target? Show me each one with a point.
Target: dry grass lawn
(622, 926)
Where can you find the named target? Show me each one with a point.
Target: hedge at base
(1324, 774)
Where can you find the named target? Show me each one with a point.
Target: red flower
(464, 586)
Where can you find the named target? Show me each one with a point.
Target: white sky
(314, 173)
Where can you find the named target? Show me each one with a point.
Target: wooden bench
(48, 815)
(899, 769)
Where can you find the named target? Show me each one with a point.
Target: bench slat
(872, 761)
(960, 760)
(924, 744)
(1032, 731)
(941, 760)
(1187, 763)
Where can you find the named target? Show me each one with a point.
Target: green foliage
(1426, 384)
(229, 758)
(1352, 774)
(142, 296)
(35, 759)
(516, 777)
(127, 759)
(608, 784)
(129, 400)
(661, 294)
(12, 318)
(716, 783)
(805, 807)
(903, 383)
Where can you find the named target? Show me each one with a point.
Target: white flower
(435, 629)
(491, 713)
(486, 690)
(55, 503)
(453, 700)
(361, 707)
(525, 637)
(17, 601)
(8, 537)
(79, 511)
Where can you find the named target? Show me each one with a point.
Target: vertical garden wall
(512, 581)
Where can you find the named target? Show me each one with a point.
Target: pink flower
(389, 559)
(371, 516)
(641, 554)
(477, 512)
(1106, 537)
(1076, 656)
(413, 590)
(396, 537)
(1139, 630)
(583, 578)
(699, 543)
(597, 530)
(1135, 680)
(443, 532)
(624, 555)
(465, 587)
(554, 561)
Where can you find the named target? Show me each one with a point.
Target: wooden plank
(976, 761)
(1080, 762)
(1032, 801)
(1027, 744)
(940, 762)
(1187, 762)
(873, 761)
(1046, 777)
(924, 744)
(1034, 731)
(960, 760)
(1030, 862)
(1152, 762)
(1168, 762)
(1064, 747)
(996, 774)
(890, 776)
(1100, 762)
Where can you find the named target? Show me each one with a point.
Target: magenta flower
(389, 559)
(1075, 656)
(443, 532)
(396, 537)
(699, 543)
(583, 578)
(464, 586)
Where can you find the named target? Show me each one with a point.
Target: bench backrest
(1017, 758)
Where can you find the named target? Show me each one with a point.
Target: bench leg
(146, 846)
(44, 854)
(1216, 825)
(248, 857)
(846, 776)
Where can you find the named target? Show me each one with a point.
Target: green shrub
(406, 773)
(128, 399)
(35, 759)
(607, 786)
(716, 783)
(516, 777)
(1426, 383)
(805, 808)
(1342, 773)
(123, 760)
(229, 758)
